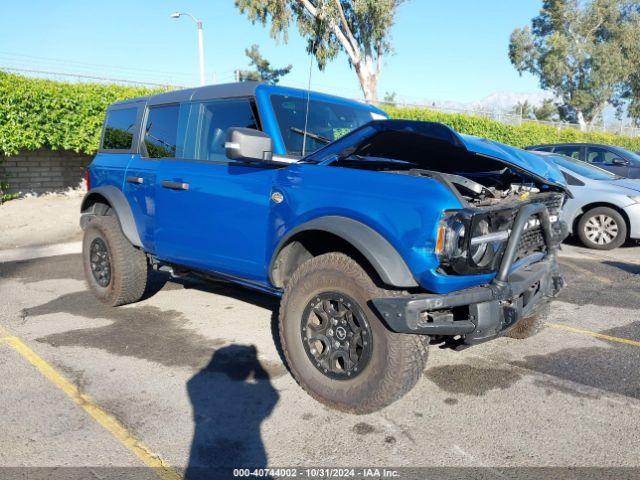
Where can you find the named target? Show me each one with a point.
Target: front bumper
(484, 312)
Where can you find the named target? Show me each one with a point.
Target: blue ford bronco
(380, 236)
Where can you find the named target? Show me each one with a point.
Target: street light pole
(201, 51)
(200, 40)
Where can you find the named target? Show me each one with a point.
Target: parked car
(614, 159)
(605, 209)
(378, 241)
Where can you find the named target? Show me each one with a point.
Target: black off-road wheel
(530, 326)
(602, 228)
(114, 269)
(336, 346)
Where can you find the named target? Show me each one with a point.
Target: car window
(601, 156)
(569, 151)
(161, 131)
(208, 122)
(582, 168)
(326, 122)
(542, 149)
(571, 180)
(624, 153)
(118, 129)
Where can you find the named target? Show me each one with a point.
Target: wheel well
(593, 205)
(311, 243)
(96, 204)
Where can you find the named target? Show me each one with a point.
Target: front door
(213, 213)
(609, 160)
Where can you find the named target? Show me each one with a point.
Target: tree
(524, 109)
(581, 51)
(263, 71)
(360, 28)
(546, 112)
(389, 98)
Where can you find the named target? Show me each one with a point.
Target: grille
(530, 242)
(532, 239)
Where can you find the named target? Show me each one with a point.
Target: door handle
(137, 180)
(175, 185)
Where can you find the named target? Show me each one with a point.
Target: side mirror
(248, 144)
(619, 162)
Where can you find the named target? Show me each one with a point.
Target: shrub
(529, 133)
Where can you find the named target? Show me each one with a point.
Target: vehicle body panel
(225, 221)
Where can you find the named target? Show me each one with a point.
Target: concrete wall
(43, 171)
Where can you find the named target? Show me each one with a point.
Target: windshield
(327, 121)
(582, 168)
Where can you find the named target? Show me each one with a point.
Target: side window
(571, 180)
(161, 131)
(573, 152)
(118, 129)
(601, 156)
(207, 127)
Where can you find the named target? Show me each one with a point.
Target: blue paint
(226, 223)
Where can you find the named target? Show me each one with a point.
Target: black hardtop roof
(224, 90)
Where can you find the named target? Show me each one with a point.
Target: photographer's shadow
(231, 397)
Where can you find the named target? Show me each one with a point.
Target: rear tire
(391, 363)
(602, 228)
(115, 270)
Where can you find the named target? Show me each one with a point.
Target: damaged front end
(506, 231)
(527, 276)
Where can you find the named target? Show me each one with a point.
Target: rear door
(608, 159)
(117, 145)
(139, 186)
(212, 212)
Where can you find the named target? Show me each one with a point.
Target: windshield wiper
(315, 136)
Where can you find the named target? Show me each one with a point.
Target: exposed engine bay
(471, 240)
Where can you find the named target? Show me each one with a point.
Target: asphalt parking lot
(192, 376)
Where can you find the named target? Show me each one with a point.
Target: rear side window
(208, 124)
(118, 129)
(573, 152)
(161, 131)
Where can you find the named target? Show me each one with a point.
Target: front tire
(114, 269)
(602, 228)
(336, 347)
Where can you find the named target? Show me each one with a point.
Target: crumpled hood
(521, 158)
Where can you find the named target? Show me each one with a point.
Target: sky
(454, 50)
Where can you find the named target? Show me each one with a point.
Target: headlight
(468, 244)
(635, 198)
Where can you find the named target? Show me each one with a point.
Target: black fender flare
(118, 203)
(382, 256)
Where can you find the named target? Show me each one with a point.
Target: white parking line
(28, 253)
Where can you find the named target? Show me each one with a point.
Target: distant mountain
(505, 102)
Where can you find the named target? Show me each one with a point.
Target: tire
(530, 326)
(596, 229)
(127, 269)
(394, 361)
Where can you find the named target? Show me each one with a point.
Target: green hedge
(36, 113)
(529, 133)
